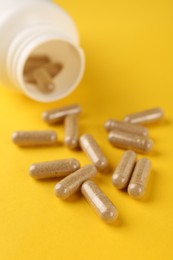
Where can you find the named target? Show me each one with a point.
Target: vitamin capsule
(29, 78)
(71, 131)
(145, 117)
(123, 172)
(99, 201)
(58, 168)
(34, 138)
(35, 62)
(58, 115)
(43, 80)
(129, 141)
(138, 183)
(125, 127)
(70, 184)
(52, 68)
(94, 152)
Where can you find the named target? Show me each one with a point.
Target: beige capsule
(99, 201)
(52, 68)
(71, 184)
(52, 169)
(34, 62)
(58, 115)
(124, 169)
(34, 138)
(130, 141)
(72, 131)
(125, 127)
(138, 183)
(146, 117)
(43, 80)
(94, 152)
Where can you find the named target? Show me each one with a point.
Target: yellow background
(129, 53)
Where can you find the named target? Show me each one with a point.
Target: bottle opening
(51, 70)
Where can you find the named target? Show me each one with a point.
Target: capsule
(94, 152)
(34, 62)
(138, 183)
(52, 169)
(146, 117)
(130, 141)
(71, 184)
(71, 131)
(123, 171)
(52, 69)
(126, 127)
(99, 201)
(43, 80)
(58, 115)
(34, 138)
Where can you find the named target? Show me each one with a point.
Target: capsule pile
(130, 173)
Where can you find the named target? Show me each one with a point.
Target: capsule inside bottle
(43, 80)
(34, 62)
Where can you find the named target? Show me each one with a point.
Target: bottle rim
(22, 48)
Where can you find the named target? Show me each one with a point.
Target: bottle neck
(44, 39)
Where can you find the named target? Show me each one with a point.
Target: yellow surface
(129, 54)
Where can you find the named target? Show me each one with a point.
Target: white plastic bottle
(36, 27)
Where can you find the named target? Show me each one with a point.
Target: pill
(145, 117)
(34, 138)
(139, 180)
(94, 152)
(126, 127)
(124, 169)
(72, 183)
(52, 68)
(43, 80)
(34, 62)
(99, 201)
(130, 141)
(58, 168)
(58, 115)
(71, 131)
